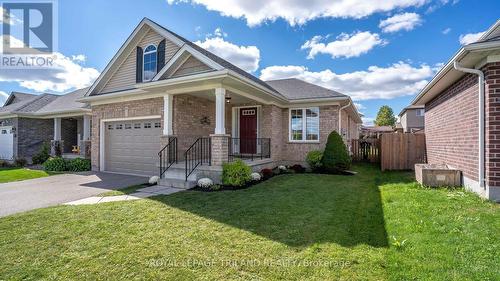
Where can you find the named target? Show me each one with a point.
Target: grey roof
(222, 62)
(66, 102)
(293, 89)
(45, 103)
(15, 101)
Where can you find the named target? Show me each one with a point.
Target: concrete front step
(177, 183)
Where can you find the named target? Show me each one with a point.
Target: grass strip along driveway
(18, 174)
(371, 226)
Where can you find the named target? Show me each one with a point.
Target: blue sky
(377, 53)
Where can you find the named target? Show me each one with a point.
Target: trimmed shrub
(314, 158)
(78, 165)
(54, 164)
(236, 173)
(20, 162)
(336, 157)
(42, 155)
(267, 173)
(5, 164)
(297, 168)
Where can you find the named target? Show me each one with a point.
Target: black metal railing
(243, 148)
(198, 153)
(168, 155)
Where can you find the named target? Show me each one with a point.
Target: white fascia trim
(482, 46)
(256, 85)
(102, 134)
(131, 37)
(62, 113)
(441, 73)
(116, 56)
(110, 95)
(183, 79)
(169, 64)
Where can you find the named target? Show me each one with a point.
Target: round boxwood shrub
(236, 173)
(314, 158)
(336, 157)
(78, 165)
(54, 164)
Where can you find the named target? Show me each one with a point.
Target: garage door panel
(6, 143)
(133, 150)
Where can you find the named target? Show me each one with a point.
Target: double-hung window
(420, 112)
(304, 124)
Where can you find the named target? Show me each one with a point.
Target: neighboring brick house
(163, 92)
(453, 117)
(411, 119)
(28, 121)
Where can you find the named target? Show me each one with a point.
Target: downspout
(340, 115)
(480, 74)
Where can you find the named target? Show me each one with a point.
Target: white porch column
(220, 109)
(57, 129)
(86, 127)
(167, 115)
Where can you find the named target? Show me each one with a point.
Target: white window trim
(303, 125)
(143, 56)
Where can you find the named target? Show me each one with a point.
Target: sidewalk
(140, 194)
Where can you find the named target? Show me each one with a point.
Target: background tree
(385, 116)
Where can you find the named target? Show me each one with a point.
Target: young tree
(385, 117)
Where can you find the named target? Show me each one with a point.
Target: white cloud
(466, 39)
(368, 121)
(446, 31)
(245, 57)
(405, 21)
(66, 74)
(79, 58)
(299, 12)
(345, 45)
(359, 106)
(13, 19)
(3, 97)
(396, 80)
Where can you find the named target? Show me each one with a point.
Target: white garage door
(132, 146)
(6, 143)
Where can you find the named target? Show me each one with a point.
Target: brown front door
(248, 130)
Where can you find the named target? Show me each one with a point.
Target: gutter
(480, 75)
(340, 115)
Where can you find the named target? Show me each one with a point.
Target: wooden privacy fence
(401, 151)
(366, 150)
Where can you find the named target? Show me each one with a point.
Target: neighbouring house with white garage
(165, 106)
(27, 121)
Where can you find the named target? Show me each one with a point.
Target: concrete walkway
(20, 196)
(141, 193)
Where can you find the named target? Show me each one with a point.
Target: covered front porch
(204, 129)
(71, 136)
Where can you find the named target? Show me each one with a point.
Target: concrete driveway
(21, 196)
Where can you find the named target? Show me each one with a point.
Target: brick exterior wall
(30, 136)
(138, 108)
(189, 111)
(452, 125)
(69, 134)
(296, 152)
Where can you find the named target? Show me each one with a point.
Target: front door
(248, 130)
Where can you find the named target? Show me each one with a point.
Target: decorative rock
(255, 176)
(154, 180)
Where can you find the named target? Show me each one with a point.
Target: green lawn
(19, 174)
(292, 227)
(123, 191)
